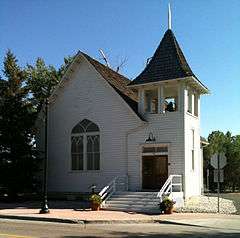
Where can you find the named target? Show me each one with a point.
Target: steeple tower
(167, 63)
(169, 101)
(165, 78)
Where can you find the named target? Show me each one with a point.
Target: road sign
(218, 161)
(221, 175)
(222, 161)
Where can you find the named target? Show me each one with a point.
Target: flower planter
(95, 207)
(95, 200)
(169, 211)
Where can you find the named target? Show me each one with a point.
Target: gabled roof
(118, 82)
(168, 62)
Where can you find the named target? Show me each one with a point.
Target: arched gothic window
(85, 146)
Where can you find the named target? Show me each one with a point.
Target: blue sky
(208, 32)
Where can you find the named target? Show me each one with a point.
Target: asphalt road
(31, 229)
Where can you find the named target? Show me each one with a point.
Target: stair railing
(168, 186)
(112, 187)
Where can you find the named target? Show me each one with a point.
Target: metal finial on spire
(169, 17)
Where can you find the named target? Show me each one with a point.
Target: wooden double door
(154, 171)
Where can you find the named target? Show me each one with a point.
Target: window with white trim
(85, 146)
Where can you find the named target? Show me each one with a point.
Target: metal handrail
(167, 188)
(111, 188)
(165, 185)
(108, 190)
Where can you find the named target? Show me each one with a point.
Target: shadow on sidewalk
(53, 204)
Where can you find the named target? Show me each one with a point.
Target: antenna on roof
(104, 58)
(169, 17)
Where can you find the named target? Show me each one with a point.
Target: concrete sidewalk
(88, 216)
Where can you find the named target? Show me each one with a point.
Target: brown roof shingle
(118, 82)
(168, 62)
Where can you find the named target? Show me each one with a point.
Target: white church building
(135, 136)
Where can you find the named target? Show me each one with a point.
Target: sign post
(218, 161)
(218, 182)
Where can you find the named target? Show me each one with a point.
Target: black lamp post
(44, 208)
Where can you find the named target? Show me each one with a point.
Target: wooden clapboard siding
(167, 128)
(88, 95)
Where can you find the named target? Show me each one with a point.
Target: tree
(232, 170)
(230, 145)
(42, 78)
(67, 61)
(16, 121)
(22, 94)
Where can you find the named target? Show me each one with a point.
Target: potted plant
(167, 205)
(96, 202)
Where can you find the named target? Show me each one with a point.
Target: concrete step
(139, 209)
(135, 195)
(131, 203)
(141, 193)
(146, 202)
(135, 200)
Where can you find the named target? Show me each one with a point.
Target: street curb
(85, 222)
(77, 221)
(120, 221)
(46, 219)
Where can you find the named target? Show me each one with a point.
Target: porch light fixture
(150, 138)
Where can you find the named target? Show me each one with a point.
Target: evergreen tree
(16, 121)
(67, 61)
(41, 79)
(22, 94)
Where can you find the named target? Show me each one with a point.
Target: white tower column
(180, 100)
(141, 101)
(159, 99)
(161, 108)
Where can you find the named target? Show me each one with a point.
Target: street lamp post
(44, 208)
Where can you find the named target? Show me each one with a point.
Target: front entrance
(154, 171)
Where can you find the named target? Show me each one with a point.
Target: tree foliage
(16, 120)
(22, 93)
(230, 146)
(42, 78)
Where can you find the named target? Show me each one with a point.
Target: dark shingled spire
(168, 62)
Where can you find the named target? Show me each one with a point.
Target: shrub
(166, 204)
(95, 199)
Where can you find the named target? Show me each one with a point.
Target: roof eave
(156, 82)
(202, 88)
